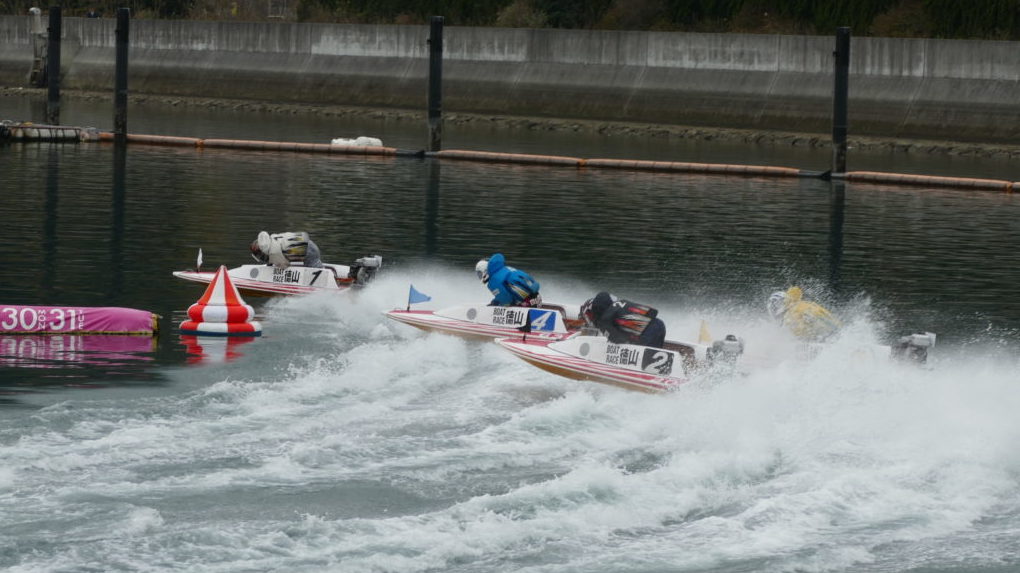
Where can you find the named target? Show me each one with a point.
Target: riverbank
(545, 124)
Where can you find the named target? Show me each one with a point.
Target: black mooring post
(120, 90)
(53, 67)
(436, 84)
(839, 100)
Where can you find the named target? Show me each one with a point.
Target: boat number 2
(657, 361)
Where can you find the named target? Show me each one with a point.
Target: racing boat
(269, 280)
(910, 348)
(583, 356)
(544, 322)
(816, 326)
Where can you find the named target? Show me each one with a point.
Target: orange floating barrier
(567, 161)
(929, 180)
(684, 167)
(108, 136)
(508, 157)
(164, 140)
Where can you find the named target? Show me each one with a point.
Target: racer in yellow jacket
(807, 320)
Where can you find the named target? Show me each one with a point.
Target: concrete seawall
(911, 88)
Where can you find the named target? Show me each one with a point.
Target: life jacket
(522, 285)
(509, 285)
(632, 318)
(293, 245)
(810, 321)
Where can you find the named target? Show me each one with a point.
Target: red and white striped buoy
(221, 311)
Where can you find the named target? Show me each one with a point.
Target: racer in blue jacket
(509, 286)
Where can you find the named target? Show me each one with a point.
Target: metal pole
(120, 93)
(435, 103)
(839, 100)
(53, 67)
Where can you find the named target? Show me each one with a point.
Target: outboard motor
(364, 269)
(725, 351)
(913, 347)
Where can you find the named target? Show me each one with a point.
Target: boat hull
(266, 280)
(488, 322)
(593, 358)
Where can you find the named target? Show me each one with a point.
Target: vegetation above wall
(974, 19)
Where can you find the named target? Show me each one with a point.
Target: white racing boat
(545, 322)
(910, 348)
(630, 366)
(643, 368)
(268, 280)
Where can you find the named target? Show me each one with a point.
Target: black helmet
(596, 306)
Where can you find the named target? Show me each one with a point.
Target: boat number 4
(542, 319)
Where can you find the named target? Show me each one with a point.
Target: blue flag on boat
(415, 296)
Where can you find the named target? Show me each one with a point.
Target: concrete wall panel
(898, 87)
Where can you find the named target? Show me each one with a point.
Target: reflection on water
(432, 208)
(214, 349)
(70, 351)
(35, 363)
(107, 226)
(837, 210)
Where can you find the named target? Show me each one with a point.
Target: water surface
(340, 441)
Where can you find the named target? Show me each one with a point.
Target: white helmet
(482, 270)
(776, 304)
